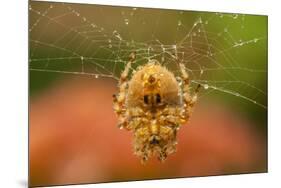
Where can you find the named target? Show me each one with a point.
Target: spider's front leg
(189, 100)
(119, 100)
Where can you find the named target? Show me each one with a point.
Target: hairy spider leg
(189, 100)
(119, 100)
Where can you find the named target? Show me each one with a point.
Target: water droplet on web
(256, 40)
(206, 86)
(77, 14)
(96, 76)
(179, 23)
(126, 21)
(201, 71)
(117, 35)
(51, 6)
(84, 19)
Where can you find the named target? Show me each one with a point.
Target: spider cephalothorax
(153, 104)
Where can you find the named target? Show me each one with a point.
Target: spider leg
(136, 118)
(189, 100)
(171, 124)
(171, 115)
(119, 100)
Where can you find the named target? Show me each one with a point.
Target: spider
(153, 104)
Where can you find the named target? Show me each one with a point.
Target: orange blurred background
(74, 139)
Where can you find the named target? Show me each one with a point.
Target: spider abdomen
(153, 86)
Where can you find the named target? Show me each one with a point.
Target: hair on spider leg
(124, 74)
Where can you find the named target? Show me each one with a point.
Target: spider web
(97, 40)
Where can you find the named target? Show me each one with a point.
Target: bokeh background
(76, 53)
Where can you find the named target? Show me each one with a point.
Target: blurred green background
(76, 43)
